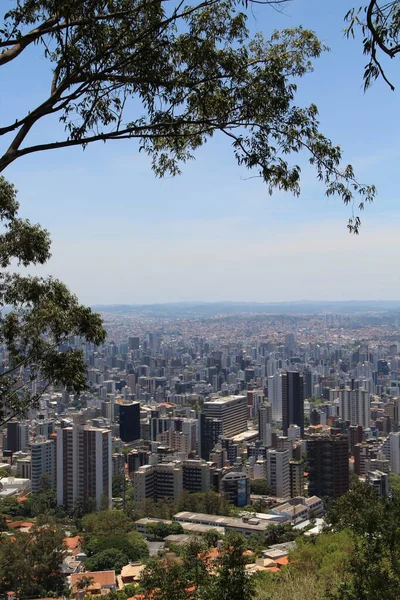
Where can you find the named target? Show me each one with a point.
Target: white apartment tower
(84, 464)
(264, 424)
(43, 462)
(232, 410)
(275, 396)
(391, 449)
(355, 406)
(278, 473)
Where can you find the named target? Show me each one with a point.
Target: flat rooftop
(223, 399)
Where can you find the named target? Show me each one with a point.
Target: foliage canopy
(172, 76)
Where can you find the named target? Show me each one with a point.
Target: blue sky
(122, 236)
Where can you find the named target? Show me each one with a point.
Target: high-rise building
(43, 462)
(275, 396)
(264, 423)
(129, 421)
(328, 466)
(235, 487)
(84, 465)
(391, 449)
(355, 406)
(210, 430)
(292, 401)
(17, 436)
(231, 410)
(195, 476)
(136, 459)
(296, 469)
(361, 456)
(278, 473)
(158, 481)
(134, 343)
(356, 436)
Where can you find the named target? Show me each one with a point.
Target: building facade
(328, 466)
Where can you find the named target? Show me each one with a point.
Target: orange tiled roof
(73, 543)
(18, 524)
(282, 561)
(99, 578)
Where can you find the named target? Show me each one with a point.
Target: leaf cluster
(38, 317)
(172, 76)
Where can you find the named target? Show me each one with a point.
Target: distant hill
(212, 308)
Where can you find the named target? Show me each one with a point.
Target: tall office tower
(355, 406)
(235, 487)
(264, 423)
(308, 384)
(294, 433)
(118, 463)
(158, 482)
(361, 458)
(391, 449)
(290, 344)
(328, 466)
(176, 440)
(132, 381)
(129, 421)
(275, 396)
(231, 410)
(292, 401)
(44, 427)
(43, 462)
(356, 436)
(278, 473)
(17, 436)
(84, 464)
(136, 459)
(296, 469)
(210, 430)
(189, 428)
(196, 476)
(133, 343)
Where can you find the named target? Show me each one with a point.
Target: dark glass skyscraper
(292, 401)
(210, 430)
(328, 466)
(129, 421)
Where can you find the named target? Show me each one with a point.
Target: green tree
(134, 547)
(41, 316)
(84, 582)
(82, 506)
(162, 580)
(375, 526)
(195, 565)
(256, 542)
(380, 26)
(106, 560)
(30, 562)
(118, 485)
(194, 71)
(211, 537)
(107, 522)
(260, 487)
(232, 581)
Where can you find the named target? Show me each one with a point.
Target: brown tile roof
(100, 579)
(73, 543)
(19, 524)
